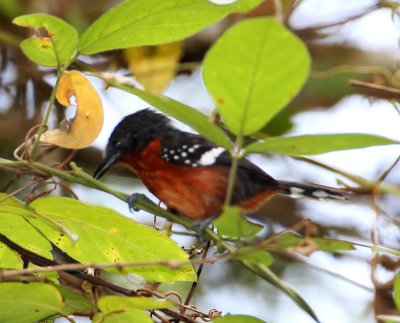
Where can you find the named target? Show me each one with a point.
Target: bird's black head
(133, 133)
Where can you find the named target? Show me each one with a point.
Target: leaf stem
(46, 117)
(60, 70)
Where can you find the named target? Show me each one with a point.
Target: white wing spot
(191, 150)
(296, 192)
(194, 165)
(196, 146)
(176, 157)
(187, 161)
(184, 146)
(184, 154)
(209, 157)
(321, 194)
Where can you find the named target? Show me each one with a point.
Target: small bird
(189, 174)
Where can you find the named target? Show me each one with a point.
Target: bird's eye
(116, 144)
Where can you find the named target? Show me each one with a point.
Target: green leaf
(151, 22)
(124, 309)
(231, 224)
(253, 70)
(254, 256)
(14, 225)
(388, 318)
(317, 144)
(179, 111)
(397, 290)
(106, 236)
(21, 302)
(237, 319)
(11, 8)
(289, 240)
(56, 47)
(111, 303)
(129, 315)
(74, 302)
(9, 259)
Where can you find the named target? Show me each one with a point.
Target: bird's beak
(107, 163)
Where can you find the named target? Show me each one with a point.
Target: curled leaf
(82, 130)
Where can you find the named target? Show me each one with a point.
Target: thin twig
(173, 264)
(387, 171)
(342, 21)
(199, 271)
(376, 87)
(365, 184)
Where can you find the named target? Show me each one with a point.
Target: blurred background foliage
(24, 87)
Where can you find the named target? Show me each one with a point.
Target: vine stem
(60, 70)
(46, 117)
(199, 271)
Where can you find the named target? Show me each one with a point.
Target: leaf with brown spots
(14, 225)
(106, 236)
(54, 41)
(22, 302)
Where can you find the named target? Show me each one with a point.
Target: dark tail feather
(313, 191)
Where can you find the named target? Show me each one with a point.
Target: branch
(376, 87)
(41, 261)
(365, 184)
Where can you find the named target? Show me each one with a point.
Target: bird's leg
(200, 226)
(134, 198)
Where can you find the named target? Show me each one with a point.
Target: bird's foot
(134, 198)
(200, 227)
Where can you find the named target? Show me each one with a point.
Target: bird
(189, 173)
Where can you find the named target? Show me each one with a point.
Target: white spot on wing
(296, 192)
(321, 194)
(327, 195)
(209, 157)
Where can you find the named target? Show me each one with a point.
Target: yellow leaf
(154, 66)
(75, 90)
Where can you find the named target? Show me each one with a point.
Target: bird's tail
(313, 191)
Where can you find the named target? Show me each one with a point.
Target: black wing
(192, 150)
